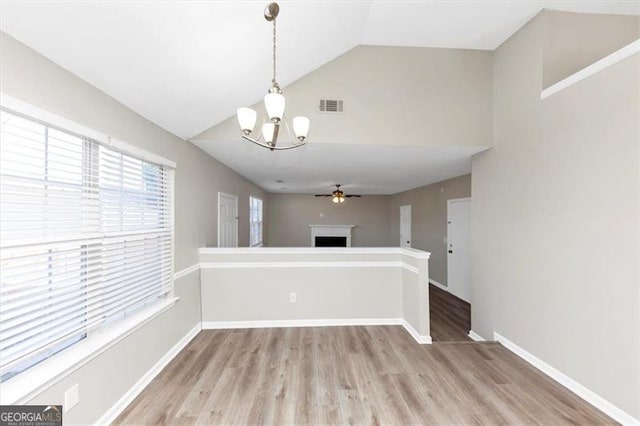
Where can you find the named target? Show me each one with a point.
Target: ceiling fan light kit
(274, 103)
(338, 196)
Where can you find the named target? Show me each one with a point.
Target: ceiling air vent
(331, 105)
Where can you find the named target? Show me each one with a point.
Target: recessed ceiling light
(284, 187)
(279, 181)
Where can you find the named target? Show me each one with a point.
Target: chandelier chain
(273, 81)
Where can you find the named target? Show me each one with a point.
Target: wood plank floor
(450, 316)
(350, 375)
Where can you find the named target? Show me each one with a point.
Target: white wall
(555, 220)
(30, 77)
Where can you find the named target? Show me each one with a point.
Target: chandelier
(274, 104)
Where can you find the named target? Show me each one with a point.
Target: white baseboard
(126, 399)
(566, 381)
(423, 340)
(217, 325)
(475, 336)
(440, 286)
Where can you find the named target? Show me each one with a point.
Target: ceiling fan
(338, 195)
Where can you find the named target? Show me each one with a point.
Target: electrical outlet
(292, 298)
(71, 397)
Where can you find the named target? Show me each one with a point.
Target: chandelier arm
(284, 148)
(272, 148)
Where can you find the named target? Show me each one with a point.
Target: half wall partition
(293, 287)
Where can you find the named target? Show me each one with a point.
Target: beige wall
(291, 214)
(348, 286)
(393, 95)
(555, 220)
(32, 78)
(429, 219)
(376, 218)
(573, 41)
(262, 294)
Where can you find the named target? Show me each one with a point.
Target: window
(86, 238)
(255, 221)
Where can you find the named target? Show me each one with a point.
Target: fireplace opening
(331, 241)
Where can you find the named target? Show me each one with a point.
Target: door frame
(449, 202)
(235, 197)
(453, 200)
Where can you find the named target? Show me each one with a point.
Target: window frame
(28, 383)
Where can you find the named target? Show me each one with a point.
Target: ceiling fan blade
(323, 195)
(353, 195)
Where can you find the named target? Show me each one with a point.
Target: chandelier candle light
(274, 103)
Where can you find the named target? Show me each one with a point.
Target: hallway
(450, 316)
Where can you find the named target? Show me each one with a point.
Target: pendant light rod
(270, 14)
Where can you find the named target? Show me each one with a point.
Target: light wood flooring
(350, 375)
(450, 316)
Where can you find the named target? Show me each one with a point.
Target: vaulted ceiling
(187, 66)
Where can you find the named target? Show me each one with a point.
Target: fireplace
(331, 242)
(331, 235)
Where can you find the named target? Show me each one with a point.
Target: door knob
(450, 251)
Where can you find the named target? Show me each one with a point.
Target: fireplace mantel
(331, 231)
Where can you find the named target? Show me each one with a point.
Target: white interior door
(458, 252)
(227, 220)
(405, 226)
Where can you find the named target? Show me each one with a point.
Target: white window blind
(86, 238)
(255, 221)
